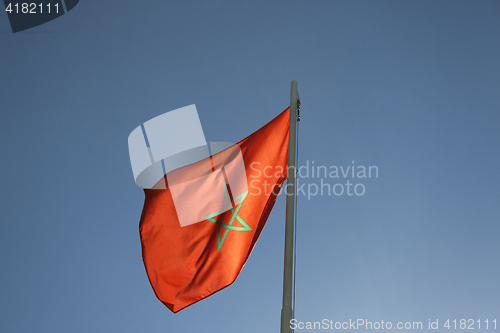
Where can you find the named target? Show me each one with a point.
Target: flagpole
(287, 311)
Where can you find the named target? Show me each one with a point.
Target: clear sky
(411, 87)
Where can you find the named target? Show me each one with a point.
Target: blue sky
(408, 86)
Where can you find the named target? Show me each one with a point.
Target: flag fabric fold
(186, 264)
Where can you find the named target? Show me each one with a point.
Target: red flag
(187, 263)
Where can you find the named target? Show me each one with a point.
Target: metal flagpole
(286, 311)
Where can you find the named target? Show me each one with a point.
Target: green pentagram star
(229, 226)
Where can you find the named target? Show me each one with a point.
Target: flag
(187, 262)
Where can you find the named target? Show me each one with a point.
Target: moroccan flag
(186, 261)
